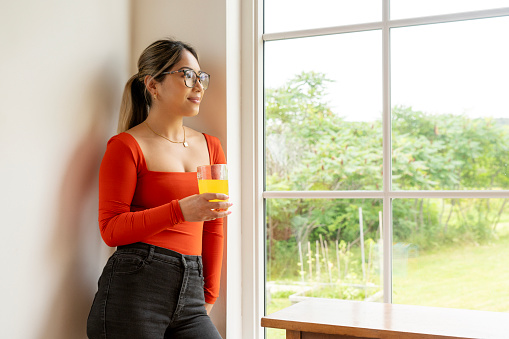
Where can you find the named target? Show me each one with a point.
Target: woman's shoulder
(194, 136)
(119, 138)
(212, 140)
(123, 138)
(215, 149)
(133, 137)
(124, 147)
(126, 143)
(191, 133)
(137, 132)
(213, 144)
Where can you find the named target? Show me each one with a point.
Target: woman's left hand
(208, 307)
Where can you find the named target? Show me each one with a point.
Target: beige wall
(213, 28)
(63, 64)
(203, 25)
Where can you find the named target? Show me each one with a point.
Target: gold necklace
(162, 136)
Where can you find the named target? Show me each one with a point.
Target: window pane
(451, 253)
(450, 105)
(323, 104)
(315, 248)
(288, 15)
(407, 9)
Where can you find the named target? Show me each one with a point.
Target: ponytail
(134, 106)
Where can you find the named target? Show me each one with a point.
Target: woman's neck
(166, 124)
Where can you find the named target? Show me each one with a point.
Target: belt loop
(150, 253)
(200, 266)
(184, 261)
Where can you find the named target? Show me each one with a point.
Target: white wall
(213, 28)
(63, 65)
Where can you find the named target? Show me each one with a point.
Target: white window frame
(253, 194)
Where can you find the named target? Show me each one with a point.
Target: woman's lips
(194, 100)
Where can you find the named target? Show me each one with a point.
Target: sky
(458, 68)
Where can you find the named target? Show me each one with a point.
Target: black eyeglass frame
(197, 77)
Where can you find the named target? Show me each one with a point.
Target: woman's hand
(198, 207)
(208, 307)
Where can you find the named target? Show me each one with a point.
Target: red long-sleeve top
(138, 205)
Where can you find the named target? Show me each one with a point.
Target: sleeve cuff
(176, 216)
(209, 299)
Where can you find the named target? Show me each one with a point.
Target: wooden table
(332, 318)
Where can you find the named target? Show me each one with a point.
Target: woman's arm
(212, 254)
(212, 245)
(117, 183)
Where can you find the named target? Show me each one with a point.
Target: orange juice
(213, 186)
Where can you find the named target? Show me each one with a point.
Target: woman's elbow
(107, 234)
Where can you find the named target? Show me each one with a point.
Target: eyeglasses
(190, 77)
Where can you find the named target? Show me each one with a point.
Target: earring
(155, 96)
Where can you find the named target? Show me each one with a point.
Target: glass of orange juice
(213, 179)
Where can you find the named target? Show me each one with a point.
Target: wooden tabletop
(380, 320)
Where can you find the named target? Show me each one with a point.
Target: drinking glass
(213, 179)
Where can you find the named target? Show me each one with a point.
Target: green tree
(309, 147)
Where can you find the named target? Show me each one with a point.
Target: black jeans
(148, 292)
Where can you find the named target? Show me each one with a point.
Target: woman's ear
(150, 83)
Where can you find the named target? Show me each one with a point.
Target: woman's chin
(192, 113)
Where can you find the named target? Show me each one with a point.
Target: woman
(155, 285)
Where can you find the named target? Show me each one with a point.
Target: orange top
(138, 205)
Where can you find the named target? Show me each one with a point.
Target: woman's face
(173, 95)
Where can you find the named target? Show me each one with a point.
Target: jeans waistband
(161, 250)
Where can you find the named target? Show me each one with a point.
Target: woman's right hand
(198, 207)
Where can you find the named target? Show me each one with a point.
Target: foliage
(309, 147)
(448, 151)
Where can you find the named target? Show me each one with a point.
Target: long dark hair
(157, 58)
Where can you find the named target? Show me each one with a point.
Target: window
(386, 152)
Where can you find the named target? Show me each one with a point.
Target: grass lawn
(468, 277)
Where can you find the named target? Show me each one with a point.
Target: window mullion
(452, 17)
(387, 151)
